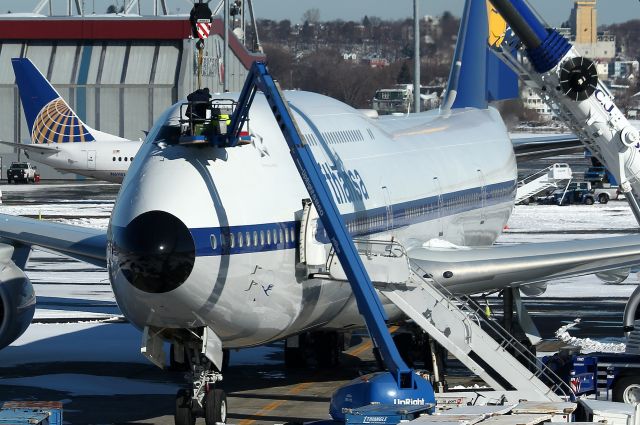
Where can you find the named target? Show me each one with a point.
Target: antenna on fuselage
(201, 21)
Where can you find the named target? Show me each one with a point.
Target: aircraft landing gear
(204, 398)
(321, 348)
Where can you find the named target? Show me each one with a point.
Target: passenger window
(223, 240)
(114, 158)
(293, 235)
(233, 240)
(275, 236)
(214, 242)
(131, 159)
(255, 238)
(240, 239)
(281, 236)
(125, 159)
(286, 236)
(248, 236)
(262, 237)
(119, 158)
(268, 237)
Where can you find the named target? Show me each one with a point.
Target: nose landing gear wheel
(215, 407)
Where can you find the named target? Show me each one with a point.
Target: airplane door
(439, 206)
(312, 253)
(91, 160)
(389, 206)
(483, 197)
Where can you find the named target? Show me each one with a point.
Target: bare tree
(312, 16)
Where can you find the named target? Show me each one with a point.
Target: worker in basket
(221, 121)
(199, 102)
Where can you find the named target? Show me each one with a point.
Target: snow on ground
(548, 223)
(552, 222)
(588, 345)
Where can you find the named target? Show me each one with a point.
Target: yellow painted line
(303, 386)
(367, 345)
(275, 404)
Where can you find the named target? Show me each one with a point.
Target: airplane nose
(155, 252)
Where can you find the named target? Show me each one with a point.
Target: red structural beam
(116, 28)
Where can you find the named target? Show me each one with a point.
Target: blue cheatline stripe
(83, 76)
(230, 240)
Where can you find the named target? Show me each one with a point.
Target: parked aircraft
(60, 139)
(212, 247)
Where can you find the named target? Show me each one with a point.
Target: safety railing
(505, 340)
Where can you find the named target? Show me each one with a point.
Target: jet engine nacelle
(614, 277)
(534, 289)
(17, 299)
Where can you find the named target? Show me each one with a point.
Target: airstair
(457, 323)
(554, 177)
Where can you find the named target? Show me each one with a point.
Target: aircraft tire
(215, 407)
(627, 390)
(184, 415)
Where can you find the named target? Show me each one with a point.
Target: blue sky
(554, 11)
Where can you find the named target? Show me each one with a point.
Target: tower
(584, 21)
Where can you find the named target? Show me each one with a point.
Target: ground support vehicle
(606, 192)
(607, 376)
(574, 193)
(21, 171)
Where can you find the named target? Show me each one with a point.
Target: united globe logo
(56, 123)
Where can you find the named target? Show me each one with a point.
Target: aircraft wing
(534, 147)
(478, 270)
(82, 243)
(31, 147)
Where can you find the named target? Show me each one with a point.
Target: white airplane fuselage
(103, 160)
(414, 178)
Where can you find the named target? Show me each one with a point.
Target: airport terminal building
(118, 72)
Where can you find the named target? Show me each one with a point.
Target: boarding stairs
(550, 177)
(456, 322)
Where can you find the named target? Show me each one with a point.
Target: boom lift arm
(369, 304)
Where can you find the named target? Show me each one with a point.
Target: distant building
(376, 62)
(532, 101)
(624, 69)
(584, 22)
(399, 99)
(350, 56)
(585, 36)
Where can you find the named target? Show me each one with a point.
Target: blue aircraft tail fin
(478, 76)
(49, 117)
